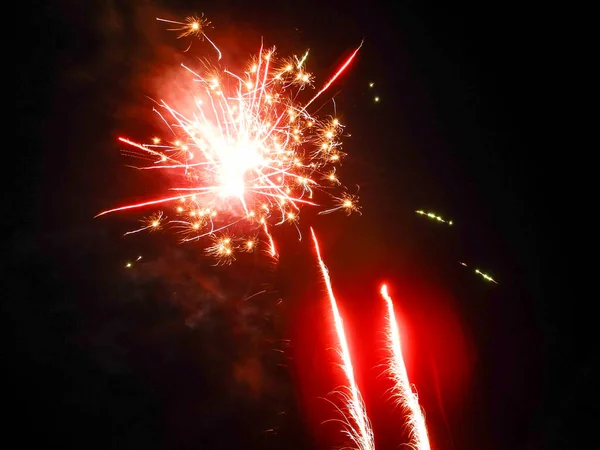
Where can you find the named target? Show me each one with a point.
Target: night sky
(173, 354)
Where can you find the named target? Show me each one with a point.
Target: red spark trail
(333, 78)
(403, 393)
(151, 202)
(358, 426)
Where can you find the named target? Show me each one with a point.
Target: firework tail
(403, 394)
(357, 423)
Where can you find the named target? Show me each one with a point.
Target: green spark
(434, 217)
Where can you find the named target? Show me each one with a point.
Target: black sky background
(169, 355)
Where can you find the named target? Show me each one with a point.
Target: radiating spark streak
(255, 295)
(168, 125)
(301, 62)
(337, 74)
(143, 147)
(214, 46)
(137, 231)
(358, 424)
(211, 232)
(434, 217)
(402, 390)
(291, 200)
(174, 166)
(148, 203)
(271, 242)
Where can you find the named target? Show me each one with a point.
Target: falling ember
(434, 217)
(357, 425)
(242, 152)
(402, 390)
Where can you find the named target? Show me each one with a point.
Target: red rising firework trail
(357, 424)
(402, 390)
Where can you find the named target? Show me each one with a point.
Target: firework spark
(485, 276)
(402, 390)
(347, 203)
(434, 217)
(243, 153)
(193, 26)
(152, 223)
(357, 424)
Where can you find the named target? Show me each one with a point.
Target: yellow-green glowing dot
(376, 99)
(371, 84)
(128, 265)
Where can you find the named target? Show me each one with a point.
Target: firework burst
(243, 154)
(483, 275)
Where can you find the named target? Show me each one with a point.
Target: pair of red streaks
(358, 426)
